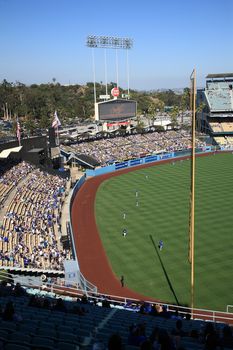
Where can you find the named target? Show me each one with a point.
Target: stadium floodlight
(109, 42)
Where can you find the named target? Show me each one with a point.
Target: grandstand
(216, 114)
(120, 148)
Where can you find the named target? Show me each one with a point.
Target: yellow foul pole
(192, 192)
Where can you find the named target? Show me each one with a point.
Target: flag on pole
(56, 122)
(18, 130)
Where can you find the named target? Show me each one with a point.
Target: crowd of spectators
(10, 176)
(133, 146)
(29, 234)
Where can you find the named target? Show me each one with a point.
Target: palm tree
(199, 113)
(174, 114)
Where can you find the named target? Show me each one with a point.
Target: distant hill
(35, 104)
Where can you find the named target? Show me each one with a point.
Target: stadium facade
(215, 108)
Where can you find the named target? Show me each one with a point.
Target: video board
(117, 109)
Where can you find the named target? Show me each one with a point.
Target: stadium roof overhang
(83, 160)
(6, 152)
(220, 75)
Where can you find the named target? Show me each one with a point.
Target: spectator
(9, 312)
(227, 338)
(211, 340)
(136, 334)
(19, 290)
(165, 341)
(60, 305)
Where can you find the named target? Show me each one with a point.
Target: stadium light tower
(109, 42)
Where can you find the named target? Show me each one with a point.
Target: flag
(18, 130)
(56, 122)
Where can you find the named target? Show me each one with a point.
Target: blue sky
(45, 39)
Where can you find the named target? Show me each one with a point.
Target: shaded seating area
(41, 322)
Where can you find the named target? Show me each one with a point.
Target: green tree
(155, 107)
(185, 102)
(174, 114)
(30, 126)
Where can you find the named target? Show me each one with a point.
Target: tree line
(35, 104)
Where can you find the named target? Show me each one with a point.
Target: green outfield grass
(163, 213)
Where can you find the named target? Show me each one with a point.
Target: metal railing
(61, 289)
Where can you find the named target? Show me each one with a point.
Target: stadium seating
(216, 127)
(229, 140)
(221, 140)
(10, 176)
(29, 235)
(40, 322)
(134, 146)
(227, 127)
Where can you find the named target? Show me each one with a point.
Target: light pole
(109, 42)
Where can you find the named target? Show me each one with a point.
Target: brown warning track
(92, 258)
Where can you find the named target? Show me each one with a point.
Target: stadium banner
(118, 124)
(166, 156)
(137, 161)
(145, 160)
(207, 149)
(121, 165)
(151, 159)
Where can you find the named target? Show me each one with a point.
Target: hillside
(35, 104)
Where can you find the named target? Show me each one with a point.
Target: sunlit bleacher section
(35, 318)
(30, 229)
(229, 140)
(216, 102)
(134, 146)
(10, 176)
(228, 127)
(216, 127)
(221, 140)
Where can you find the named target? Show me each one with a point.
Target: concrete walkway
(65, 214)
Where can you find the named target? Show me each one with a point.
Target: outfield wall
(145, 160)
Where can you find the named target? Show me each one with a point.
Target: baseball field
(152, 204)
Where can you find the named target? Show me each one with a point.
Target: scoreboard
(116, 109)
